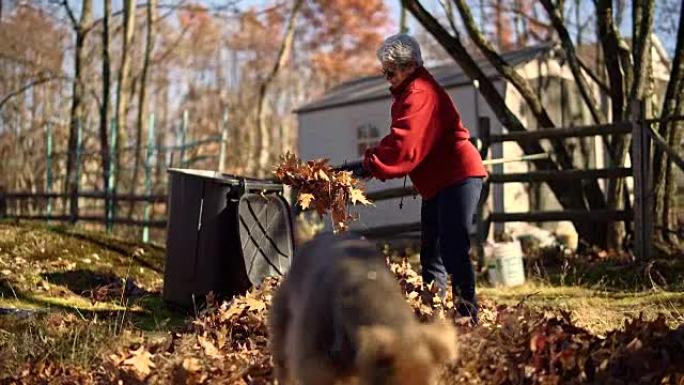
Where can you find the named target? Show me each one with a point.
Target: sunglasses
(389, 74)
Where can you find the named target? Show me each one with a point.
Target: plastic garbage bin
(224, 234)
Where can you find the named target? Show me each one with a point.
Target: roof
(375, 87)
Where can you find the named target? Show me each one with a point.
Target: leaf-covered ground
(87, 326)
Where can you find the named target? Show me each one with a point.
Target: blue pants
(446, 221)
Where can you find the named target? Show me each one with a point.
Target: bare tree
(283, 55)
(80, 28)
(664, 177)
(122, 85)
(104, 108)
(142, 94)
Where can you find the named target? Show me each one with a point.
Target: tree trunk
(573, 61)
(283, 54)
(611, 43)
(402, 19)
(77, 110)
(121, 95)
(142, 95)
(104, 108)
(663, 175)
(570, 195)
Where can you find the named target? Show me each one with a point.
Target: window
(367, 136)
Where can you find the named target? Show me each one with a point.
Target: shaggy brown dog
(339, 316)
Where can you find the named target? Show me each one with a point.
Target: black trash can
(224, 234)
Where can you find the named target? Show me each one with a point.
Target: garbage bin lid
(219, 177)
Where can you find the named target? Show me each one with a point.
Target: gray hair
(400, 49)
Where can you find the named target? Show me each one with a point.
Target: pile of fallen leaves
(321, 187)
(227, 343)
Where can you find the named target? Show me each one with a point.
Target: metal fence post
(73, 198)
(148, 179)
(224, 140)
(48, 167)
(111, 208)
(184, 128)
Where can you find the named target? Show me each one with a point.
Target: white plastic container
(505, 266)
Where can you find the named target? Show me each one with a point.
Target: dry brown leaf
(192, 365)
(235, 309)
(140, 360)
(305, 200)
(357, 195)
(209, 348)
(255, 304)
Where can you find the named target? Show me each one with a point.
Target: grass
(598, 310)
(62, 293)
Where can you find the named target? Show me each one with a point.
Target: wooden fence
(641, 131)
(12, 203)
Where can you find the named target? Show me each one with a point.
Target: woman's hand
(361, 172)
(357, 169)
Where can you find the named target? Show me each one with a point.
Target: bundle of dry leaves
(321, 187)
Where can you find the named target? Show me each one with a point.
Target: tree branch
(283, 56)
(602, 85)
(610, 43)
(571, 56)
(643, 23)
(450, 16)
(520, 83)
(676, 82)
(671, 132)
(70, 14)
(28, 86)
(180, 6)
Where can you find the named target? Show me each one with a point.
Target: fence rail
(564, 133)
(161, 223)
(159, 198)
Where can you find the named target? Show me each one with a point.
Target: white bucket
(505, 267)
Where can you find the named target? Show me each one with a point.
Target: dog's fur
(339, 316)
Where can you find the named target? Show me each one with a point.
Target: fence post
(482, 217)
(224, 140)
(111, 203)
(148, 179)
(184, 128)
(643, 197)
(73, 199)
(48, 167)
(3, 203)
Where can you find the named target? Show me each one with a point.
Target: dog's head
(414, 355)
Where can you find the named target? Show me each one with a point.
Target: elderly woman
(428, 142)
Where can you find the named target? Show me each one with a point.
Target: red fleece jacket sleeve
(413, 133)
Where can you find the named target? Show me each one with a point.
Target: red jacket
(427, 140)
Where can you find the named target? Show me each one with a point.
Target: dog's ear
(440, 337)
(377, 347)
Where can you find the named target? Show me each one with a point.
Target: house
(349, 118)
